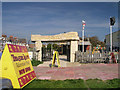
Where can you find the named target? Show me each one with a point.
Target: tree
(49, 47)
(55, 46)
(101, 43)
(95, 41)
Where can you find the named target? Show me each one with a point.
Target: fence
(88, 57)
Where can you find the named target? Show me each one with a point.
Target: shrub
(36, 62)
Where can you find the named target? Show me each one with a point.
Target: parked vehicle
(5, 84)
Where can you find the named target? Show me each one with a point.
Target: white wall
(30, 55)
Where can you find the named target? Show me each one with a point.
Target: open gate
(46, 54)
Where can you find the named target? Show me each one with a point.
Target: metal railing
(88, 57)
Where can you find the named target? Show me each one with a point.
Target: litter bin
(107, 60)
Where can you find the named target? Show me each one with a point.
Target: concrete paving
(63, 62)
(84, 71)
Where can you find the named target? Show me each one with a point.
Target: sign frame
(16, 65)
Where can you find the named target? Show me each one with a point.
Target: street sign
(56, 56)
(16, 65)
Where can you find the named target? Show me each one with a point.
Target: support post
(83, 40)
(110, 38)
(73, 48)
(38, 45)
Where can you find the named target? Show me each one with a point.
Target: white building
(115, 41)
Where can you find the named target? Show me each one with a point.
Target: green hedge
(36, 62)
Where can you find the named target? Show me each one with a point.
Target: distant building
(22, 40)
(12, 40)
(31, 45)
(115, 41)
(87, 44)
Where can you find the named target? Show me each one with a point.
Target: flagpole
(83, 39)
(83, 24)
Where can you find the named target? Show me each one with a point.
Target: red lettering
(27, 69)
(21, 71)
(14, 57)
(19, 58)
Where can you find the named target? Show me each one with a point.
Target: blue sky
(23, 19)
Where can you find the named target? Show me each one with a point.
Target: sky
(21, 19)
(60, 0)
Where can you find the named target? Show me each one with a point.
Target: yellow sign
(56, 56)
(16, 65)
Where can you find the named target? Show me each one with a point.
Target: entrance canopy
(70, 36)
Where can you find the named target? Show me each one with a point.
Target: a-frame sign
(56, 56)
(16, 65)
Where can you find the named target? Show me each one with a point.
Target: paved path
(63, 62)
(84, 71)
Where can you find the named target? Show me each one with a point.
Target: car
(5, 84)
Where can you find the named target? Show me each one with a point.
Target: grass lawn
(74, 83)
(97, 83)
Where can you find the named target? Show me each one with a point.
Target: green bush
(36, 62)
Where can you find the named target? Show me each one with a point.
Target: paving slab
(84, 71)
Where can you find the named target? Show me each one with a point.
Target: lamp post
(110, 38)
(112, 22)
(83, 26)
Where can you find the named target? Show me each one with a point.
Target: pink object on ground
(44, 78)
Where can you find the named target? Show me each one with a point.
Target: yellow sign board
(56, 56)
(16, 65)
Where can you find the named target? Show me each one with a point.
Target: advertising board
(16, 65)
